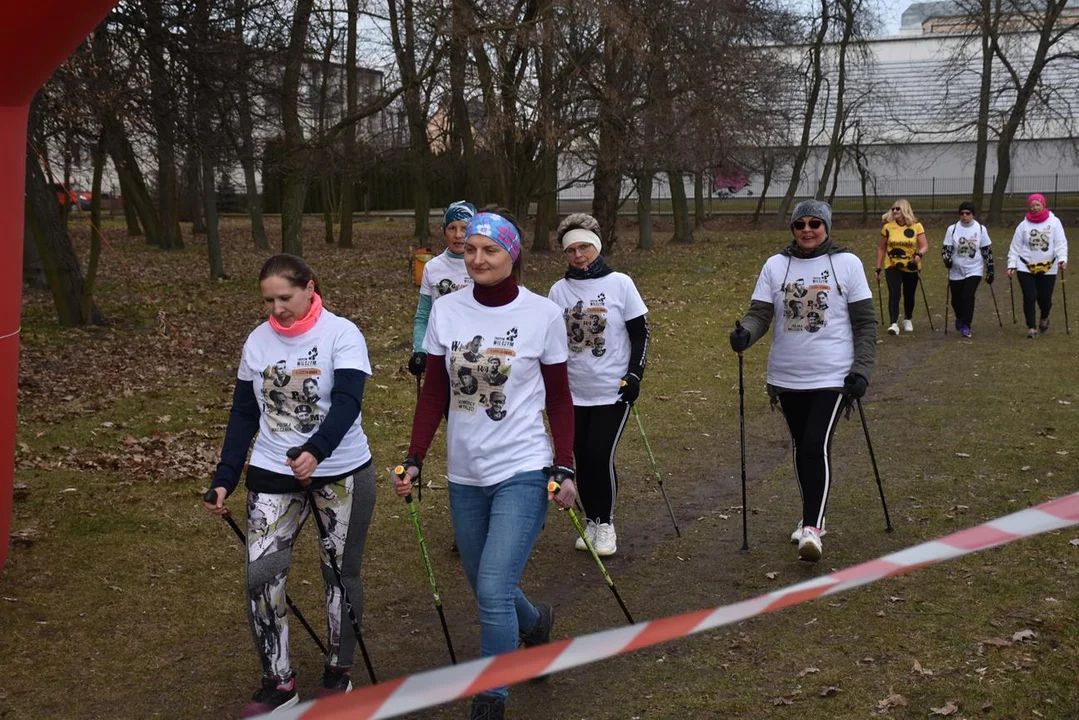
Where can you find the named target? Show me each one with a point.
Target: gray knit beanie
(814, 208)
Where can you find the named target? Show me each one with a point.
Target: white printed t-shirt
(493, 355)
(293, 379)
(1038, 247)
(812, 343)
(595, 312)
(443, 275)
(968, 242)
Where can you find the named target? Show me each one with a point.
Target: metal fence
(925, 193)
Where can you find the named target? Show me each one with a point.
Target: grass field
(122, 596)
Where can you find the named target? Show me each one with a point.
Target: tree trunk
(403, 38)
(133, 184)
(698, 199)
(987, 26)
(644, 211)
(461, 123)
(294, 155)
(33, 272)
(163, 109)
(193, 195)
(327, 211)
(810, 104)
(348, 188)
(768, 165)
(127, 200)
(246, 149)
(835, 142)
(683, 231)
(86, 306)
(57, 254)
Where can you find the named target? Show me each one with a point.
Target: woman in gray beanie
(823, 350)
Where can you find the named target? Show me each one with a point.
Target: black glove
(854, 386)
(740, 338)
(417, 363)
(630, 389)
(948, 264)
(989, 278)
(411, 462)
(559, 473)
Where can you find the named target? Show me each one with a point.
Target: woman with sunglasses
(968, 254)
(823, 349)
(607, 327)
(902, 246)
(498, 455)
(1038, 249)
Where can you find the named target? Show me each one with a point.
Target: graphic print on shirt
(967, 247)
(585, 326)
(445, 286)
(1039, 240)
(805, 307)
(478, 374)
(291, 398)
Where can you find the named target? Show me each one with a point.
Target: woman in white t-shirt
(1039, 248)
(823, 350)
(499, 457)
(442, 275)
(968, 254)
(607, 328)
(300, 383)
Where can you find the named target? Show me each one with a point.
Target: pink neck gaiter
(302, 325)
(1043, 215)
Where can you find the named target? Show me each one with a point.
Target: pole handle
(210, 496)
(294, 453)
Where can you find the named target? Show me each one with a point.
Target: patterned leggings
(274, 520)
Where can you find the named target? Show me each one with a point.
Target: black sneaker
(488, 707)
(335, 680)
(541, 633)
(274, 695)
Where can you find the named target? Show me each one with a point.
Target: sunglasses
(813, 224)
(897, 209)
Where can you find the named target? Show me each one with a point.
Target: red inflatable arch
(35, 37)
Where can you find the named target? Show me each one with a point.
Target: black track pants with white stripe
(597, 429)
(812, 417)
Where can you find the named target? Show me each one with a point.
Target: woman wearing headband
(607, 326)
(499, 457)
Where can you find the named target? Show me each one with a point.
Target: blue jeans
(496, 528)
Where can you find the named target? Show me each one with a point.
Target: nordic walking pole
(742, 436)
(1011, 294)
(947, 299)
(926, 299)
(995, 306)
(873, 459)
(399, 471)
(419, 493)
(880, 301)
(1064, 293)
(211, 497)
(554, 487)
(655, 469)
(327, 545)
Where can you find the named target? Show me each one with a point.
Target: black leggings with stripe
(597, 429)
(812, 417)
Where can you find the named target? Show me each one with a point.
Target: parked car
(72, 195)
(728, 185)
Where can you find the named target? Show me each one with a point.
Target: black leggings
(909, 283)
(963, 300)
(1036, 288)
(597, 429)
(812, 417)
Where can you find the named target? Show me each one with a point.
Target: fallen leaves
(949, 708)
(996, 642)
(829, 690)
(808, 671)
(1024, 635)
(918, 669)
(893, 700)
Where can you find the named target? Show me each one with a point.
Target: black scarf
(596, 269)
(825, 248)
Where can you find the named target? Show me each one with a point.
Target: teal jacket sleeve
(419, 325)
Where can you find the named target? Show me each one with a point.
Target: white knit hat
(580, 235)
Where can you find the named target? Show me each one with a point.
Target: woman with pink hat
(1038, 249)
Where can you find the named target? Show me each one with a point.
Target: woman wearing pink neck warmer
(1039, 248)
(300, 384)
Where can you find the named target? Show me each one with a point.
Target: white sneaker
(809, 546)
(908, 326)
(893, 329)
(606, 542)
(796, 536)
(590, 531)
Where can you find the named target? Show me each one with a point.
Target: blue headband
(498, 229)
(459, 210)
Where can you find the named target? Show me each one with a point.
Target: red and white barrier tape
(434, 687)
